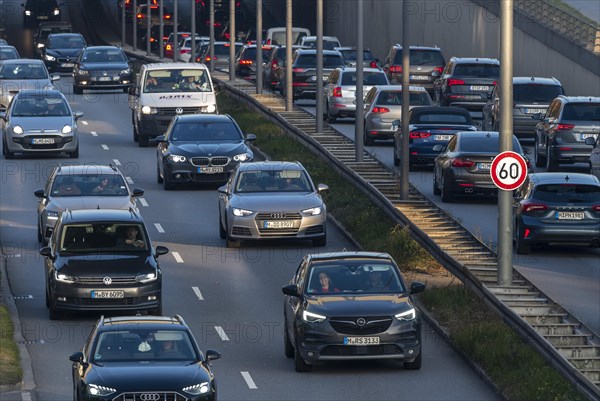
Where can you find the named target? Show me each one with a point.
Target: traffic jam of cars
(97, 251)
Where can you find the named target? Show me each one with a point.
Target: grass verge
(10, 366)
(517, 369)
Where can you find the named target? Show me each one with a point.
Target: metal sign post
(175, 33)
(289, 99)
(359, 126)
(148, 26)
(123, 23)
(161, 31)
(134, 23)
(259, 54)
(404, 162)
(193, 32)
(232, 40)
(319, 95)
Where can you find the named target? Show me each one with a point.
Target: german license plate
(313, 78)
(105, 78)
(419, 77)
(101, 294)
(42, 17)
(210, 170)
(278, 224)
(585, 136)
(442, 137)
(480, 88)
(42, 141)
(484, 166)
(361, 340)
(534, 111)
(570, 215)
(67, 65)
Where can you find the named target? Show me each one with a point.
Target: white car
(184, 53)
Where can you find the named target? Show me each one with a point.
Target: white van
(276, 36)
(164, 90)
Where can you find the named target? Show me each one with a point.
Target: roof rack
(113, 167)
(180, 319)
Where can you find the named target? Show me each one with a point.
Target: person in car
(68, 187)
(131, 239)
(152, 84)
(325, 284)
(375, 282)
(104, 187)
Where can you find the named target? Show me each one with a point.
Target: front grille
(26, 142)
(349, 325)
(200, 178)
(279, 216)
(153, 396)
(99, 302)
(241, 231)
(64, 60)
(104, 73)
(314, 230)
(210, 161)
(358, 350)
(98, 280)
(171, 111)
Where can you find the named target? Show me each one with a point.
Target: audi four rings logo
(179, 110)
(278, 215)
(361, 321)
(107, 280)
(149, 397)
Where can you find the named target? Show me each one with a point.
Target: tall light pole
(134, 23)
(123, 23)
(359, 127)
(259, 55)
(505, 227)
(404, 165)
(175, 29)
(232, 40)
(319, 95)
(289, 99)
(161, 31)
(193, 30)
(212, 36)
(148, 20)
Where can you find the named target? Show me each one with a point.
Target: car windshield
(477, 70)
(89, 184)
(327, 44)
(103, 56)
(8, 53)
(567, 193)
(66, 42)
(32, 106)
(177, 80)
(394, 98)
(204, 131)
(103, 238)
(45, 32)
(136, 343)
(273, 180)
(353, 277)
(421, 57)
(536, 93)
(440, 118)
(23, 71)
(491, 144)
(310, 61)
(350, 55)
(369, 78)
(223, 49)
(581, 112)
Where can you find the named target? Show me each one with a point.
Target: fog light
(84, 83)
(410, 352)
(152, 298)
(61, 299)
(310, 353)
(177, 176)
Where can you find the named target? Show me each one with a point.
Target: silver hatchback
(19, 74)
(339, 94)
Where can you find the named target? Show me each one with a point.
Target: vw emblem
(419, 68)
(149, 396)
(361, 321)
(107, 280)
(104, 73)
(278, 215)
(179, 110)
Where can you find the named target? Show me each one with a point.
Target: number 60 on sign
(508, 171)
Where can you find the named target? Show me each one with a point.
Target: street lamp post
(232, 40)
(359, 127)
(319, 95)
(289, 99)
(404, 162)
(259, 55)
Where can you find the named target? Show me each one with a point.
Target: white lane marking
(249, 380)
(159, 228)
(129, 180)
(84, 122)
(221, 333)
(198, 293)
(26, 396)
(94, 133)
(104, 147)
(143, 202)
(117, 162)
(177, 257)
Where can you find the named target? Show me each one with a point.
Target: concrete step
(580, 351)
(588, 364)
(556, 329)
(549, 318)
(567, 340)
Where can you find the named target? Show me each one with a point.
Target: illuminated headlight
(211, 108)
(49, 57)
(244, 157)
(241, 212)
(40, 45)
(67, 129)
(64, 278)
(101, 391)
(149, 110)
(56, 12)
(17, 130)
(313, 211)
(197, 389)
(310, 317)
(126, 71)
(408, 315)
(50, 215)
(145, 278)
(28, 13)
(83, 72)
(177, 158)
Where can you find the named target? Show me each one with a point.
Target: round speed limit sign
(508, 171)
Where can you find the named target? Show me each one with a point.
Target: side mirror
(54, 78)
(291, 290)
(250, 137)
(211, 355)
(416, 287)
(46, 251)
(322, 188)
(76, 357)
(161, 250)
(590, 140)
(77, 115)
(396, 124)
(138, 192)
(40, 193)
(223, 190)
(160, 139)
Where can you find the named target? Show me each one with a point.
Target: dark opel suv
(102, 259)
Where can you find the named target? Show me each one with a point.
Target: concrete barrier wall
(464, 29)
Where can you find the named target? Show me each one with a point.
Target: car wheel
(39, 233)
(77, 90)
(436, 189)
(7, 153)
(232, 243)
(367, 140)
(167, 185)
(53, 314)
(299, 363)
(447, 196)
(522, 248)
(551, 165)
(395, 155)
(540, 160)
(159, 178)
(136, 136)
(320, 242)
(222, 230)
(287, 345)
(330, 119)
(416, 364)
(47, 299)
(74, 154)
(143, 141)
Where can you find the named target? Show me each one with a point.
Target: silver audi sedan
(40, 121)
(19, 74)
(272, 200)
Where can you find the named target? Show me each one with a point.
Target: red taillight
(337, 92)
(268, 41)
(152, 40)
(167, 16)
(274, 64)
(380, 110)
(526, 233)
(373, 64)
(533, 207)
(298, 69)
(139, 16)
(439, 69)
(458, 162)
(396, 69)
(419, 134)
(198, 60)
(565, 149)
(596, 208)
(246, 62)
(184, 51)
(455, 82)
(565, 127)
(495, 83)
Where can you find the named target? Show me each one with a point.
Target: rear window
(350, 55)
(536, 92)
(490, 144)
(581, 112)
(567, 193)
(66, 42)
(7, 53)
(441, 118)
(422, 57)
(369, 78)
(477, 70)
(250, 54)
(394, 98)
(310, 61)
(223, 50)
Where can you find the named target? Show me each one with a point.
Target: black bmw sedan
(147, 358)
(201, 148)
(62, 50)
(102, 67)
(351, 305)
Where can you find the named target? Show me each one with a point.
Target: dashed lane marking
(94, 133)
(104, 147)
(221, 333)
(129, 180)
(249, 381)
(198, 293)
(117, 162)
(159, 228)
(177, 257)
(143, 202)
(84, 122)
